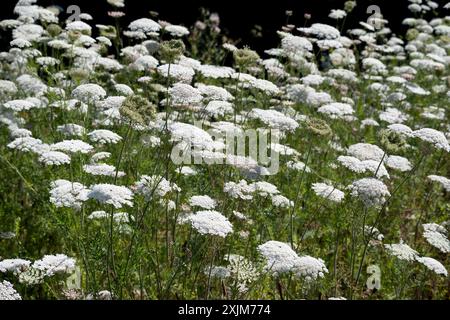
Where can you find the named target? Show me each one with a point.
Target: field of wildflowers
(158, 161)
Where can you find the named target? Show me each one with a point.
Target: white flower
(433, 265)
(401, 129)
(433, 136)
(366, 151)
(337, 14)
(264, 188)
(281, 201)
(321, 31)
(100, 156)
(180, 73)
(310, 268)
(242, 270)
(204, 202)
(47, 61)
(28, 144)
(218, 108)
(280, 256)
(294, 44)
(102, 170)
(145, 63)
(337, 110)
(149, 186)
(116, 196)
(71, 129)
(298, 166)
(328, 192)
(103, 136)
(445, 182)
(214, 93)
(68, 194)
(184, 95)
(20, 43)
(123, 89)
(79, 26)
(118, 217)
(176, 31)
(144, 25)
(436, 236)
(215, 72)
(117, 3)
(211, 222)
(239, 190)
(29, 32)
(187, 171)
(281, 259)
(398, 163)
(54, 158)
(14, 265)
(392, 116)
(274, 119)
(7, 87)
(194, 136)
(371, 191)
(7, 292)
(19, 105)
(402, 251)
(89, 93)
(51, 264)
(434, 113)
(73, 146)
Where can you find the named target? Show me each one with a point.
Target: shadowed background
(238, 17)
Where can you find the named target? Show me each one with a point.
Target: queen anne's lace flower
(366, 151)
(371, 191)
(103, 136)
(436, 235)
(433, 265)
(55, 158)
(321, 31)
(102, 169)
(402, 251)
(19, 105)
(433, 136)
(72, 146)
(68, 194)
(181, 73)
(280, 256)
(144, 25)
(176, 31)
(398, 163)
(7, 291)
(337, 110)
(89, 93)
(281, 201)
(150, 186)
(14, 265)
(274, 119)
(239, 190)
(310, 268)
(211, 222)
(281, 259)
(204, 202)
(445, 182)
(51, 264)
(328, 192)
(117, 196)
(28, 144)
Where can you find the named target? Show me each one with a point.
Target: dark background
(238, 17)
